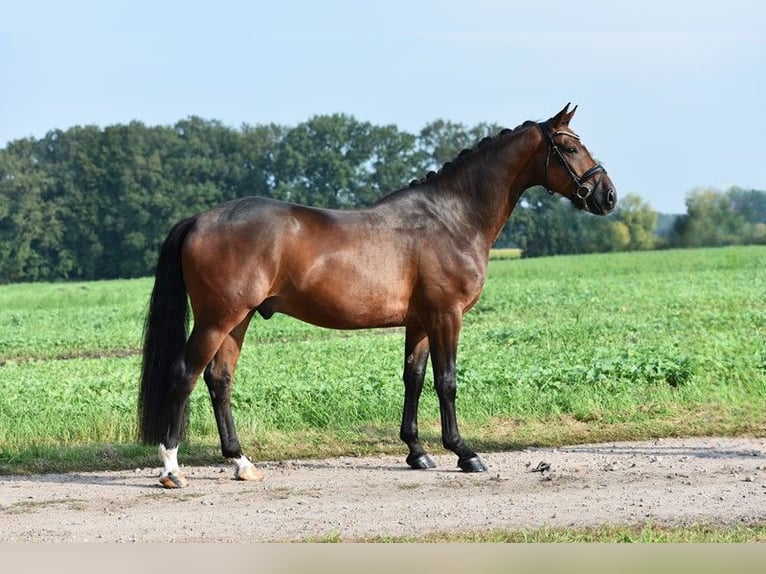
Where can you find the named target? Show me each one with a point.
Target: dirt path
(671, 481)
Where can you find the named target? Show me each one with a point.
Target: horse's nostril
(610, 197)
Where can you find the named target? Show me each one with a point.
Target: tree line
(91, 203)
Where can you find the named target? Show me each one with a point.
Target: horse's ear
(562, 118)
(568, 117)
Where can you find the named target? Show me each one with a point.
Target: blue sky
(671, 95)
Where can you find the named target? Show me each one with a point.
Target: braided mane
(449, 166)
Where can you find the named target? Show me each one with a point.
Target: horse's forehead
(566, 132)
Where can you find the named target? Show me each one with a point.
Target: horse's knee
(413, 374)
(447, 389)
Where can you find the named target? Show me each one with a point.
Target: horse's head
(571, 171)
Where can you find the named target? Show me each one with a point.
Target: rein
(583, 190)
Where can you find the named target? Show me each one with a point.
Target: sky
(671, 95)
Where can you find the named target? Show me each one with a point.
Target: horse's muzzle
(602, 199)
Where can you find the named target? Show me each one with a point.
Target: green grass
(62, 320)
(560, 349)
(504, 253)
(640, 534)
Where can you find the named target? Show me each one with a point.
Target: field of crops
(649, 339)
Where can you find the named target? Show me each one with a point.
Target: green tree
(620, 236)
(751, 203)
(545, 224)
(338, 162)
(30, 233)
(317, 160)
(76, 167)
(260, 146)
(393, 162)
(541, 224)
(709, 221)
(639, 219)
(442, 140)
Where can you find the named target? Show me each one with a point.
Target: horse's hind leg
(415, 360)
(219, 377)
(199, 351)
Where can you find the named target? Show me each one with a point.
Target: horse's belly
(345, 307)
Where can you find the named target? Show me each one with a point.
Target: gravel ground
(668, 482)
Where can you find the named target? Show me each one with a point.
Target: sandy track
(671, 481)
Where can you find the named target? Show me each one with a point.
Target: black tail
(165, 332)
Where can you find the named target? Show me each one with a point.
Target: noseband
(583, 190)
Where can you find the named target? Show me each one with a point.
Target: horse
(416, 259)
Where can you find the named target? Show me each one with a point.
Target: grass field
(644, 534)
(558, 349)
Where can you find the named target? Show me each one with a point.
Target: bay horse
(417, 258)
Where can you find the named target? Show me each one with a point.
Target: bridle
(582, 190)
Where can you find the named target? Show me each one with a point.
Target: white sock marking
(169, 459)
(242, 463)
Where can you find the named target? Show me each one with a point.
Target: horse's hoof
(248, 473)
(421, 462)
(172, 480)
(472, 464)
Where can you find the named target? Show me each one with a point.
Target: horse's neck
(491, 183)
(475, 198)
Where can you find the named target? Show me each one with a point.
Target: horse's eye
(571, 150)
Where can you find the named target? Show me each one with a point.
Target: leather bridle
(582, 190)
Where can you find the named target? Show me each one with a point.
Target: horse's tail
(165, 332)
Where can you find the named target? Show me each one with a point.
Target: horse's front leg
(443, 336)
(415, 360)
